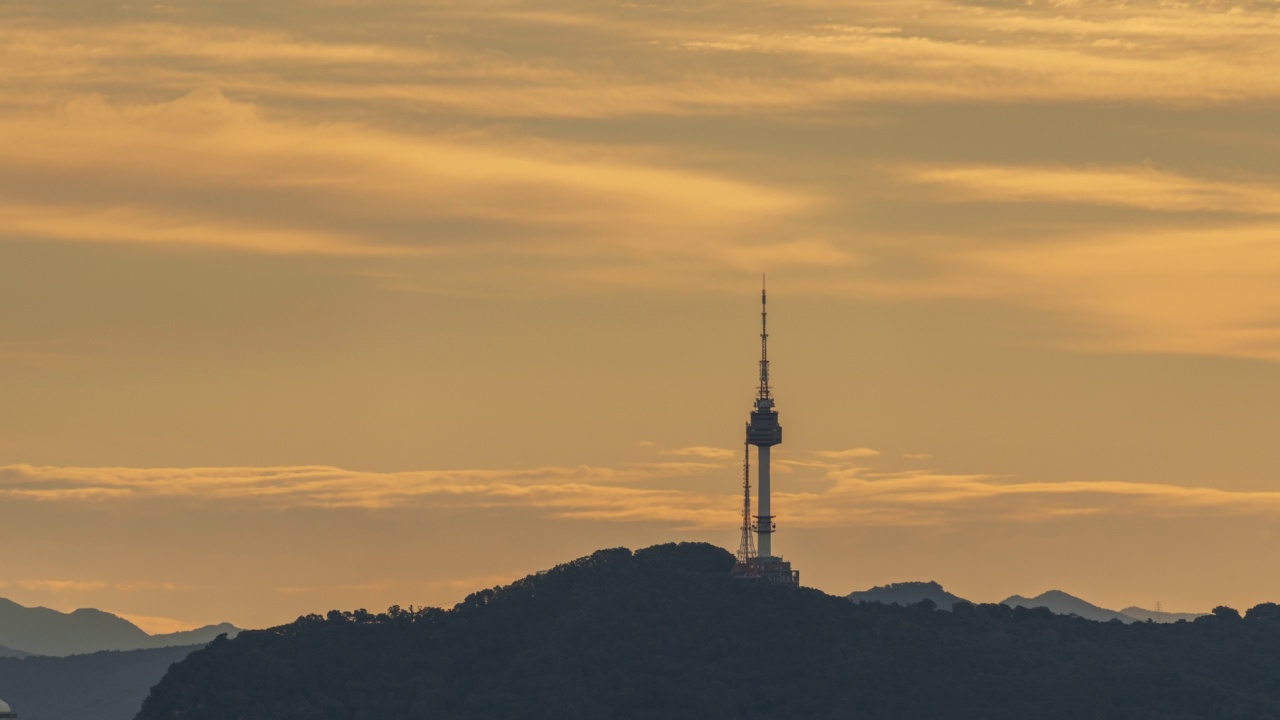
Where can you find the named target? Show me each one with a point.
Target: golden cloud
(900, 51)
(1138, 187)
(159, 625)
(846, 454)
(702, 451)
(61, 585)
(182, 172)
(1135, 285)
(841, 496)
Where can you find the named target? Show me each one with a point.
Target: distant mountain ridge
(907, 593)
(1142, 615)
(1060, 603)
(1056, 601)
(42, 631)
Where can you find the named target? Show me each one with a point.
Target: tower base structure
(770, 569)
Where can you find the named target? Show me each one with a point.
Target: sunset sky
(346, 303)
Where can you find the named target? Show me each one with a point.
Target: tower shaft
(764, 521)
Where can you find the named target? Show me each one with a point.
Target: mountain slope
(1060, 603)
(199, 636)
(666, 633)
(908, 593)
(1143, 615)
(100, 686)
(41, 631)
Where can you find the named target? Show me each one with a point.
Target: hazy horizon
(160, 625)
(348, 303)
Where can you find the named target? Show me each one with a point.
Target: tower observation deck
(763, 431)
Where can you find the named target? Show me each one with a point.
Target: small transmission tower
(747, 546)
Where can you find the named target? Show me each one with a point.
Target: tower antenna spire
(764, 341)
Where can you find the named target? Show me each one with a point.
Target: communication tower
(763, 431)
(747, 556)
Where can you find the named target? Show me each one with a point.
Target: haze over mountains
(86, 663)
(1056, 601)
(42, 631)
(105, 685)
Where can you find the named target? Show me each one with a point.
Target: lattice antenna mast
(764, 342)
(747, 546)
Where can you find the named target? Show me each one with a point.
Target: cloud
(930, 51)
(581, 492)
(1137, 187)
(460, 584)
(207, 171)
(1191, 267)
(158, 625)
(702, 451)
(828, 496)
(531, 62)
(61, 585)
(924, 498)
(1134, 286)
(846, 454)
(402, 137)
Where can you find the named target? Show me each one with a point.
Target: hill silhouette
(99, 686)
(666, 633)
(1061, 603)
(1159, 616)
(907, 593)
(42, 631)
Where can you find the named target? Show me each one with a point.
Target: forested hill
(665, 633)
(108, 685)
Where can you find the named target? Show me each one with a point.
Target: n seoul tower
(764, 432)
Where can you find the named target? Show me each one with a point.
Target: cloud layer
(593, 146)
(830, 494)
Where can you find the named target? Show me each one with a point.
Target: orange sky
(348, 303)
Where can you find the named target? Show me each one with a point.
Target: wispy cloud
(832, 496)
(582, 492)
(532, 62)
(158, 625)
(458, 584)
(1134, 284)
(846, 454)
(925, 498)
(194, 171)
(702, 451)
(1138, 187)
(59, 585)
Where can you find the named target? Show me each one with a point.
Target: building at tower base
(773, 569)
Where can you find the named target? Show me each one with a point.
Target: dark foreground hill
(100, 686)
(665, 633)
